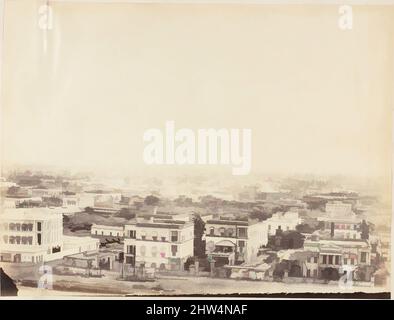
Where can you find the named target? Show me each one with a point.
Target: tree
(364, 230)
(151, 200)
(304, 228)
(199, 229)
(126, 213)
(89, 210)
(260, 215)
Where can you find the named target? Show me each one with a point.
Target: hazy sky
(316, 97)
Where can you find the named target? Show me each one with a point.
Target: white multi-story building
(235, 240)
(36, 235)
(156, 243)
(340, 255)
(30, 235)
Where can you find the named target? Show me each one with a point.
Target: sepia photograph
(202, 149)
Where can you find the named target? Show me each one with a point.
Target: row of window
(154, 252)
(335, 259)
(331, 259)
(21, 226)
(18, 240)
(154, 236)
(345, 226)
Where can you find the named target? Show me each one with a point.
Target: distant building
(340, 221)
(233, 240)
(21, 202)
(45, 192)
(158, 243)
(284, 221)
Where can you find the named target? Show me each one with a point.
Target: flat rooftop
(230, 222)
(21, 214)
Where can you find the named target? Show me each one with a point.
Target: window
(110, 233)
(56, 249)
(315, 259)
(337, 260)
(102, 233)
(330, 259)
(308, 273)
(154, 251)
(324, 259)
(12, 226)
(212, 231)
(154, 236)
(39, 238)
(363, 257)
(174, 250)
(222, 231)
(241, 245)
(143, 235)
(95, 232)
(131, 249)
(352, 261)
(38, 226)
(174, 236)
(132, 234)
(130, 260)
(242, 232)
(315, 273)
(344, 260)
